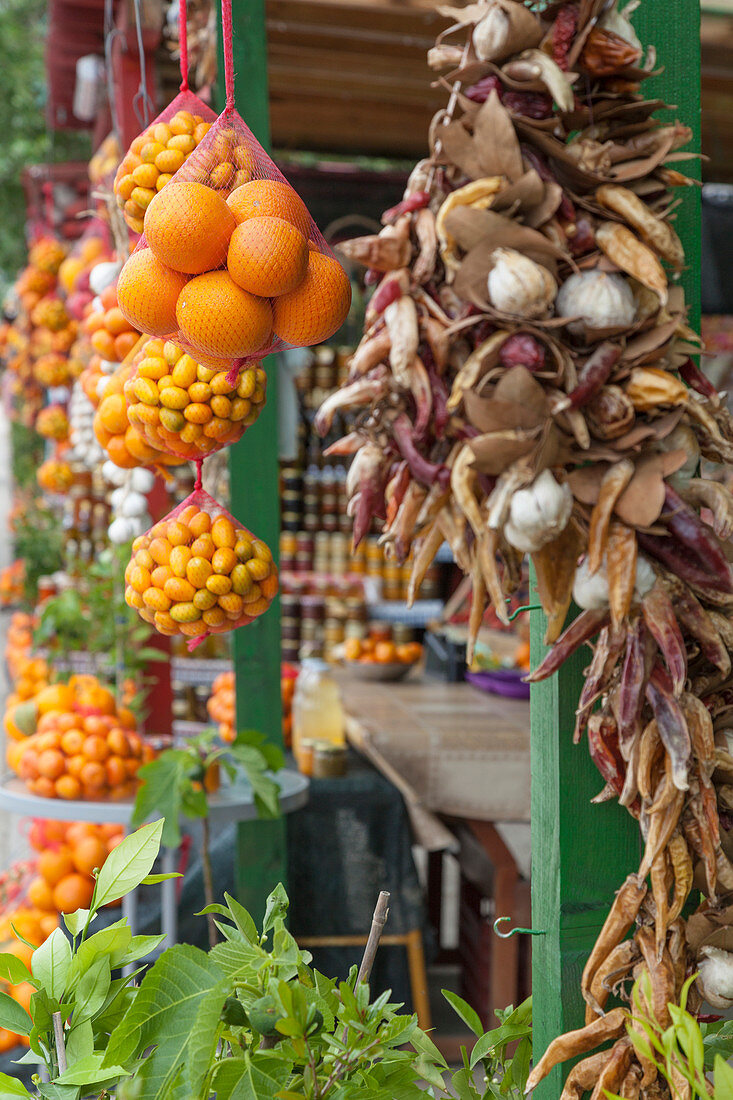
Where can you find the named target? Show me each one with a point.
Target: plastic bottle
(318, 714)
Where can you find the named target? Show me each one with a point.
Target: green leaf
(276, 908)
(254, 1077)
(723, 1077)
(80, 1042)
(13, 969)
(112, 941)
(153, 880)
(11, 1087)
(54, 1091)
(50, 963)
(204, 1037)
(91, 1071)
(139, 947)
(92, 990)
(162, 790)
(161, 1016)
(242, 919)
(464, 1011)
(77, 922)
(13, 1016)
(128, 864)
(507, 1033)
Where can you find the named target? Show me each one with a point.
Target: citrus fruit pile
(111, 336)
(52, 369)
(35, 925)
(124, 441)
(152, 160)
(69, 853)
(221, 706)
(196, 572)
(55, 476)
(232, 275)
(53, 423)
(187, 408)
(19, 642)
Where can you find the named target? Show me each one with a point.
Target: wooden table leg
(504, 983)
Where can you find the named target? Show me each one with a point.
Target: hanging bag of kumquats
(231, 265)
(199, 572)
(159, 151)
(188, 409)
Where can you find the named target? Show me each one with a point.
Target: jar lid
(327, 747)
(314, 664)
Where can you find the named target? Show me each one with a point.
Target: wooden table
(454, 752)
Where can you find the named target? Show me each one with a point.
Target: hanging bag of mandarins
(159, 151)
(188, 409)
(231, 265)
(199, 572)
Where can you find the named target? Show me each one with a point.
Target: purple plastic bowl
(500, 681)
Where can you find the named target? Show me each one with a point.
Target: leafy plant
(77, 1002)
(175, 785)
(685, 1051)
(504, 1074)
(26, 448)
(38, 540)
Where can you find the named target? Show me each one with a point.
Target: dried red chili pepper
(603, 744)
(671, 724)
(690, 613)
(580, 630)
(522, 350)
(563, 32)
(636, 670)
(421, 468)
(530, 104)
(389, 290)
(662, 624)
(690, 373)
(677, 559)
(480, 92)
(413, 202)
(441, 415)
(687, 527)
(606, 653)
(594, 373)
(580, 236)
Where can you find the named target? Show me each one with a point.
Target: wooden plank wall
(352, 76)
(717, 97)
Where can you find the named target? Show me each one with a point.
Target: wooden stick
(58, 1031)
(379, 919)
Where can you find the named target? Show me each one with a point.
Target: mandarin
(267, 256)
(147, 291)
(40, 893)
(269, 198)
(317, 307)
(188, 226)
(53, 865)
(217, 317)
(88, 854)
(73, 892)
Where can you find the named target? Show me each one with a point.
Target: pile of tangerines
(221, 705)
(195, 572)
(68, 854)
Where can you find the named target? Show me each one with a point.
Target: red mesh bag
(188, 409)
(231, 265)
(158, 152)
(200, 572)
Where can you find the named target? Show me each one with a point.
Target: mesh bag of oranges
(186, 408)
(199, 572)
(231, 265)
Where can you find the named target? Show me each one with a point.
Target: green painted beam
(255, 500)
(582, 853)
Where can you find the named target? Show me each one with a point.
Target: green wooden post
(582, 853)
(255, 500)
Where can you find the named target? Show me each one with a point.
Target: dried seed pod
(649, 387)
(606, 53)
(610, 414)
(628, 253)
(658, 234)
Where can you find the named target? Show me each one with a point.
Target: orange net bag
(199, 572)
(188, 409)
(231, 265)
(158, 152)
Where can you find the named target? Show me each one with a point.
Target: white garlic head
(715, 976)
(539, 513)
(103, 275)
(598, 298)
(121, 530)
(590, 592)
(520, 286)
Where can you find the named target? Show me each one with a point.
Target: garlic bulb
(715, 977)
(682, 438)
(121, 530)
(103, 275)
(133, 505)
(619, 23)
(520, 286)
(600, 300)
(539, 513)
(114, 474)
(591, 592)
(141, 480)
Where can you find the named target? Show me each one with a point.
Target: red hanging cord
(183, 43)
(199, 476)
(226, 34)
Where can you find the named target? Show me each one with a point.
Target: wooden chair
(412, 942)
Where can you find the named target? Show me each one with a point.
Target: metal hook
(527, 607)
(515, 931)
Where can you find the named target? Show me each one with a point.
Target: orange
(80, 830)
(72, 742)
(8, 1040)
(51, 764)
(89, 853)
(47, 923)
(188, 226)
(112, 413)
(148, 291)
(95, 748)
(385, 652)
(118, 743)
(116, 769)
(93, 776)
(68, 786)
(73, 892)
(53, 865)
(269, 198)
(352, 652)
(267, 256)
(22, 993)
(218, 318)
(40, 893)
(74, 764)
(317, 307)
